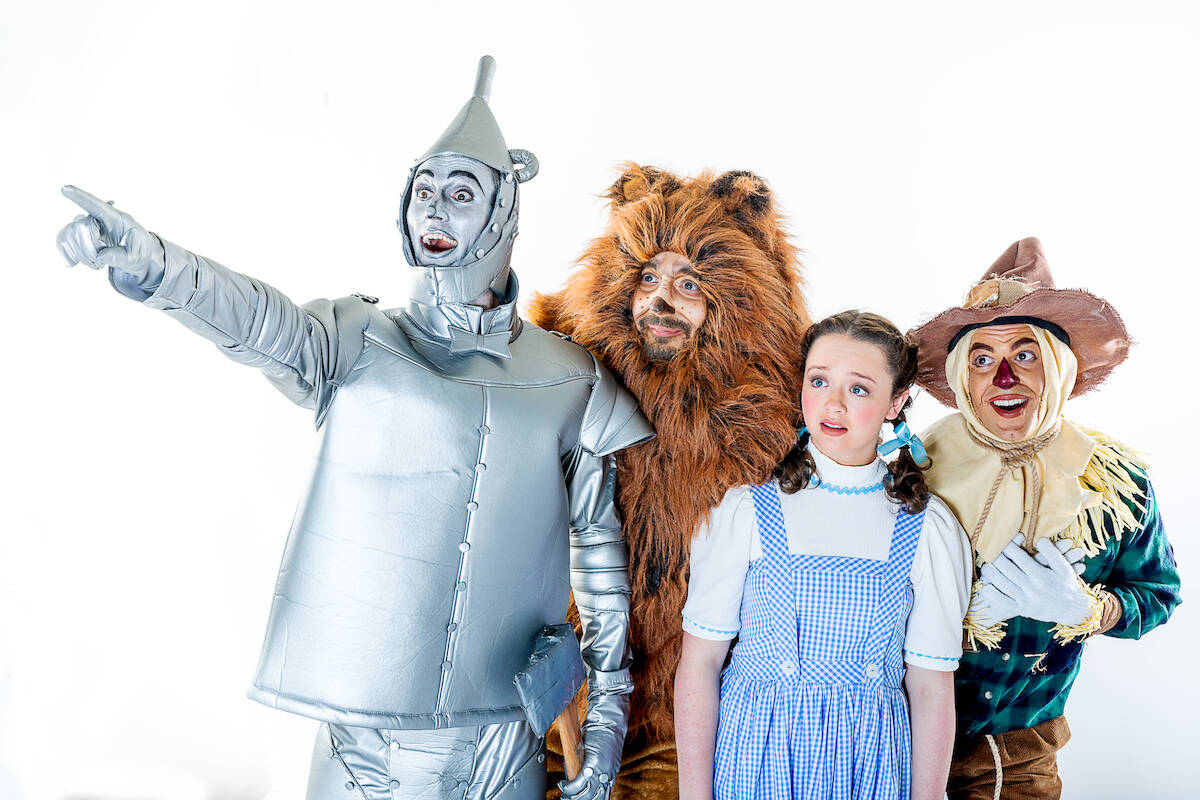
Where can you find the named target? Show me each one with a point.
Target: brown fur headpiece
(725, 407)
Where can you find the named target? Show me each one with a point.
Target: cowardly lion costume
(725, 407)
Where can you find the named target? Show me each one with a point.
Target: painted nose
(431, 210)
(661, 306)
(1005, 379)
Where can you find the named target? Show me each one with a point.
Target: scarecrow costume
(725, 407)
(1065, 484)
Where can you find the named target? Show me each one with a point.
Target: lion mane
(725, 408)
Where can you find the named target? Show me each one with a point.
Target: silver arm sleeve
(599, 570)
(600, 581)
(305, 352)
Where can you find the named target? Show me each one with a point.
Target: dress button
(350, 786)
(394, 784)
(872, 670)
(394, 745)
(787, 667)
(485, 430)
(517, 783)
(452, 627)
(481, 467)
(1004, 657)
(470, 747)
(446, 666)
(464, 546)
(462, 586)
(988, 695)
(541, 758)
(472, 506)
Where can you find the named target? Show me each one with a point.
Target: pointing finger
(110, 218)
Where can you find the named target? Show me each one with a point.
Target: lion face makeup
(668, 305)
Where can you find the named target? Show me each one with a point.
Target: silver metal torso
(431, 546)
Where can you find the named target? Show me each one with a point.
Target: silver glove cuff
(617, 681)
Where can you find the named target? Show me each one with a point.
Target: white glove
(1073, 555)
(106, 237)
(989, 606)
(1051, 593)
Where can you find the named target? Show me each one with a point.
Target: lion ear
(742, 191)
(637, 181)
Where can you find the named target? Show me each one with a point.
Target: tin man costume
(458, 446)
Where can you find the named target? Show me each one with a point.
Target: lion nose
(661, 306)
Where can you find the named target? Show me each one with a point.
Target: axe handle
(571, 738)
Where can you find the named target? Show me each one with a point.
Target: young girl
(847, 585)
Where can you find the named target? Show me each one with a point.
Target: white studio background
(149, 483)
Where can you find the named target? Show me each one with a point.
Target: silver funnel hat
(474, 134)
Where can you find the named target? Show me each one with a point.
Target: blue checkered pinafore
(811, 703)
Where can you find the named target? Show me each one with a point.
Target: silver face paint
(449, 206)
(479, 262)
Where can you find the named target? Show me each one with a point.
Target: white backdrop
(149, 482)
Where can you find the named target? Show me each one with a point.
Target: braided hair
(905, 481)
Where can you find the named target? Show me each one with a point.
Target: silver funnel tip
(483, 78)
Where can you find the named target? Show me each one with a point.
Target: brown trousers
(1018, 765)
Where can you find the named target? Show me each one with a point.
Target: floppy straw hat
(1018, 288)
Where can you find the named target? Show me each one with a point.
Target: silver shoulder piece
(613, 420)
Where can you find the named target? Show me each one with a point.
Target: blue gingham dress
(811, 703)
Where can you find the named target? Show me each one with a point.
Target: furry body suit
(725, 407)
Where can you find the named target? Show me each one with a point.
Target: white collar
(837, 474)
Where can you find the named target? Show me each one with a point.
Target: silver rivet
(394, 745)
(349, 786)
(472, 506)
(481, 467)
(485, 430)
(508, 177)
(394, 784)
(470, 747)
(464, 547)
(462, 586)
(988, 695)
(479, 253)
(495, 227)
(517, 783)
(541, 758)
(446, 666)
(452, 627)
(1004, 657)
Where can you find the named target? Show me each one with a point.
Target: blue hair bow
(905, 438)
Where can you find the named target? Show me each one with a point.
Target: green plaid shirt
(1026, 679)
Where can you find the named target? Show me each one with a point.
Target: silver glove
(107, 237)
